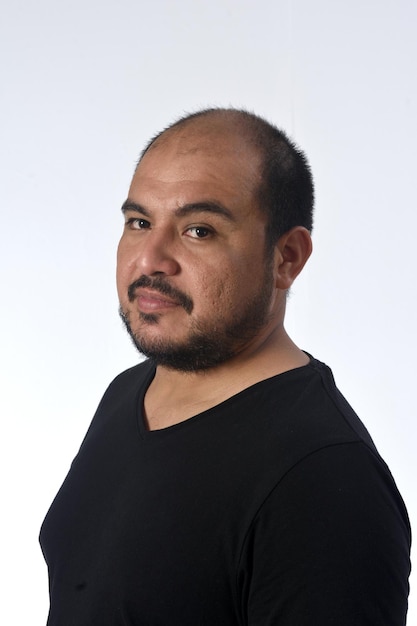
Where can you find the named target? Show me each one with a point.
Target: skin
(192, 223)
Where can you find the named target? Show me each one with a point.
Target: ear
(291, 254)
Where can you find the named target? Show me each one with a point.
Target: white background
(83, 85)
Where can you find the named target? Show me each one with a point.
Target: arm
(330, 545)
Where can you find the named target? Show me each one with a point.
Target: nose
(156, 254)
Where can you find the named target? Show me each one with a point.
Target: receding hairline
(239, 122)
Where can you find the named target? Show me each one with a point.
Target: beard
(210, 341)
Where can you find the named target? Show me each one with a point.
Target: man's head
(217, 223)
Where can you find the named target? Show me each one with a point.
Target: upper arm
(330, 545)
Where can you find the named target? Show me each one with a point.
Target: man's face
(194, 280)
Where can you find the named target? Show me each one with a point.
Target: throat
(175, 397)
(168, 404)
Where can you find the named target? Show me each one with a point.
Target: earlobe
(292, 252)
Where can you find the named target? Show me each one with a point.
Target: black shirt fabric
(272, 508)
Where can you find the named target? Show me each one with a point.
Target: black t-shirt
(272, 508)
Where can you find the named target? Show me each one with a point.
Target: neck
(175, 396)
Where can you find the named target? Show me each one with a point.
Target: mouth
(150, 301)
(157, 295)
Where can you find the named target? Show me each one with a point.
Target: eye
(137, 223)
(199, 232)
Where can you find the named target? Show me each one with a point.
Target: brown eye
(137, 223)
(199, 232)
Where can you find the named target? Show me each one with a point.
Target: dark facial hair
(210, 342)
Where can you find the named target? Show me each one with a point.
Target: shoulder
(120, 400)
(299, 412)
(129, 381)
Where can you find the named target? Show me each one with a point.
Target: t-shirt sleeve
(329, 546)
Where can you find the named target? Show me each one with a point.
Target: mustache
(159, 284)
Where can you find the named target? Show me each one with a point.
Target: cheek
(120, 284)
(122, 271)
(121, 254)
(218, 290)
(126, 259)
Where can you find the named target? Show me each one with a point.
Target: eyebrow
(207, 206)
(129, 205)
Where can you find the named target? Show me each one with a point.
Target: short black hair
(286, 190)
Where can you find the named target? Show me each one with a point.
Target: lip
(150, 300)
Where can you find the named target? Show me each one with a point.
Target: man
(225, 480)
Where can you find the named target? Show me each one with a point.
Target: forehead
(184, 165)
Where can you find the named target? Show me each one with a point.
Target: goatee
(210, 341)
